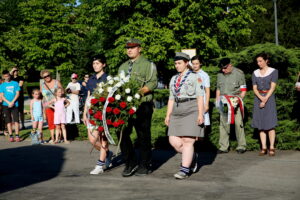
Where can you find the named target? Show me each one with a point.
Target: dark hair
(5, 72)
(197, 57)
(224, 62)
(100, 58)
(263, 55)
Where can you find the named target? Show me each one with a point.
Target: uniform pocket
(191, 90)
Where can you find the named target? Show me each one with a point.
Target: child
(9, 93)
(60, 103)
(36, 112)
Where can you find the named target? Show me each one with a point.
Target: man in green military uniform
(144, 71)
(231, 83)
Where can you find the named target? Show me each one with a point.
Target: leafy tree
(47, 36)
(262, 30)
(166, 26)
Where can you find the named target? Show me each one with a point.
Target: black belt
(184, 100)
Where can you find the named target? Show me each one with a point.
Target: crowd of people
(187, 115)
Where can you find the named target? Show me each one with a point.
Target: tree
(166, 26)
(47, 36)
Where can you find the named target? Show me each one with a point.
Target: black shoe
(220, 151)
(129, 170)
(142, 171)
(241, 151)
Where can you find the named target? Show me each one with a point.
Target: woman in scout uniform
(185, 113)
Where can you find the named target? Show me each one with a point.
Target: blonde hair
(59, 88)
(45, 71)
(37, 90)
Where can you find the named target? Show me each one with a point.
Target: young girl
(36, 112)
(60, 103)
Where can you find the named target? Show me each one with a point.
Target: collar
(138, 60)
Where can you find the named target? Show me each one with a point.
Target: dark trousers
(142, 125)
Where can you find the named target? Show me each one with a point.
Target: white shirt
(73, 87)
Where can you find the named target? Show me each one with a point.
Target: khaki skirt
(183, 120)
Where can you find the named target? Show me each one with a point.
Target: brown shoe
(272, 152)
(263, 152)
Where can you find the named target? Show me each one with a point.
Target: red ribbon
(232, 108)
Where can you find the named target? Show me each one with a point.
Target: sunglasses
(46, 76)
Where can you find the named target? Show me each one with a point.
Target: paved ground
(62, 172)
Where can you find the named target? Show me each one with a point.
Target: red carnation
(115, 124)
(100, 129)
(92, 122)
(131, 111)
(102, 99)
(120, 121)
(90, 111)
(98, 115)
(108, 122)
(94, 101)
(123, 104)
(108, 109)
(116, 111)
(111, 99)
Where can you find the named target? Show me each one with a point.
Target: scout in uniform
(141, 69)
(231, 84)
(184, 116)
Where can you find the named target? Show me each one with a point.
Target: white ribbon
(106, 131)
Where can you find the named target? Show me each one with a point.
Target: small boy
(9, 93)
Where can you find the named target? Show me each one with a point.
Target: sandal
(262, 152)
(272, 152)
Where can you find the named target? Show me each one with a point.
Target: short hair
(224, 62)
(101, 58)
(45, 71)
(197, 57)
(5, 72)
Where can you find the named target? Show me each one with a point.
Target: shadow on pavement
(23, 166)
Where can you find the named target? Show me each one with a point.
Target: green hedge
(288, 130)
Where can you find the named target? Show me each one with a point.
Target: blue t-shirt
(9, 90)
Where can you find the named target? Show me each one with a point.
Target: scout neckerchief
(178, 84)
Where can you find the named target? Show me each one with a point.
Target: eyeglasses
(46, 76)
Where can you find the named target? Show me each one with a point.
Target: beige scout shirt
(232, 83)
(191, 88)
(144, 72)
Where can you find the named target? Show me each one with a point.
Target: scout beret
(133, 43)
(181, 56)
(224, 62)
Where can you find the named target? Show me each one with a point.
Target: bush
(288, 130)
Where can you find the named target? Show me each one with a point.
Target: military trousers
(225, 131)
(142, 125)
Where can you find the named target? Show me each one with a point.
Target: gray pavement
(62, 172)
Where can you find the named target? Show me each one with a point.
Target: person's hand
(167, 120)
(262, 104)
(11, 104)
(264, 99)
(200, 119)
